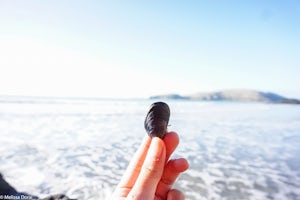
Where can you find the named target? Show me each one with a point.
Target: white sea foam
(82, 147)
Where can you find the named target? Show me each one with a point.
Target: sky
(136, 49)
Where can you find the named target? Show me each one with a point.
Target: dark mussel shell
(157, 119)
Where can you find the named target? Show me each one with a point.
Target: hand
(150, 175)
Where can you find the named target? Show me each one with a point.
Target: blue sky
(143, 48)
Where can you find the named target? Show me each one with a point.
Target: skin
(150, 175)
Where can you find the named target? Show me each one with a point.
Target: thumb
(151, 171)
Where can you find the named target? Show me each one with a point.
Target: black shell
(157, 119)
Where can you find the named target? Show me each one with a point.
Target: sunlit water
(81, 147)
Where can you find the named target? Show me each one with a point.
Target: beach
(81, 147)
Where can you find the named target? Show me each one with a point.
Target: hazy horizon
(129, 98)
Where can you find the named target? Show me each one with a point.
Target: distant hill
(233, 95)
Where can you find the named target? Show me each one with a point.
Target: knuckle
(152, 169)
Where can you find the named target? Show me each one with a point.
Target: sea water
(81, 147)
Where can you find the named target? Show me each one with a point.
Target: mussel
(157, 119)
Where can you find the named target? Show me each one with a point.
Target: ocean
(81, 147)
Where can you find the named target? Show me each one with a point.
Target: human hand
(150, 175)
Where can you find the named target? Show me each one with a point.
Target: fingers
(151, 171)
(171, 140)
(144, 167)
(171, 172)
(133, 170)
(175, 195)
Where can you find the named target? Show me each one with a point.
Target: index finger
(134, 168)
(171, 141)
